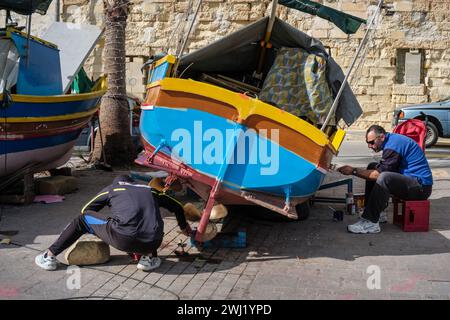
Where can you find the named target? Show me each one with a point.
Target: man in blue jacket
(132, 224)
(403, 172)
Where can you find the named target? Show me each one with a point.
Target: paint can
(360, 202)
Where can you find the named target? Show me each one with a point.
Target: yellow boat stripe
(246, 106)
(169, 58)
(55, 118)
(92, 200)
(23, 34)
(337, 138)
(57, 98)
(289, 120)
(119, 189)
(203, 89)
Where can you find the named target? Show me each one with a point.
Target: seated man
(403, 172)
(132, 224)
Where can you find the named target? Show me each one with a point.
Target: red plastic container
(135, 256)
(414, 215)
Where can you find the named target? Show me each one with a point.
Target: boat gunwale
(55, 98)
(69, 116)
(255, 107)
(74, 124)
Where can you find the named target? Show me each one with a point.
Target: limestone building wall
(411, 28)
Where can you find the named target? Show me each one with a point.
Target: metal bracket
(162, 144)
(287, 201)
(169, 180)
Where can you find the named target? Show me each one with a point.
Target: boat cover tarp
(238, 52)
(75, 43)
(26, 7)
(346, 22)
(9, 65)
(297, 83)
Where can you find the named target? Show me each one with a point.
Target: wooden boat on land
(205, 123)
(39, 123)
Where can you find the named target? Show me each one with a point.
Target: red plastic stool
(414, 215)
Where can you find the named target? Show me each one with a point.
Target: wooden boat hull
(40, 131)
(182, 119)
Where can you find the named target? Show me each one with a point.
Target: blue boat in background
(39, 122)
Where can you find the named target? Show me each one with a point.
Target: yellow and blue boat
(219, 127)
(39, 123)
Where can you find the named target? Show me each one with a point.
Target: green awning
(346, 22)
(26, 7)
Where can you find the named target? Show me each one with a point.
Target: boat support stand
(348, 182)
(216, 186)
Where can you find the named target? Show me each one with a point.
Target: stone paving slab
(313, 259)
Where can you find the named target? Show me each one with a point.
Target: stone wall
(409, 24)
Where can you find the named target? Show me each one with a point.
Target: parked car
(84, 140)
(435, 114)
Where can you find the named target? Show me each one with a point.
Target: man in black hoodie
(132, 224)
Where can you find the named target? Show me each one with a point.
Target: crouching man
(132, 224)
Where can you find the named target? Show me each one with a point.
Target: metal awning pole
(7, 18)
(273, 14)
(28, 40)
(58, 10)
(344, 83)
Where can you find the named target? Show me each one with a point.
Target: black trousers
(390, 183)
(99, 224)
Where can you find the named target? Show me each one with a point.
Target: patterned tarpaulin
(297, 83)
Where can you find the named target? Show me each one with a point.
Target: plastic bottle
(350, 203)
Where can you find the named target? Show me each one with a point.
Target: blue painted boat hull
(252, 166)
(41, 133)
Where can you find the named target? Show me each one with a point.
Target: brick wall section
(418, 24)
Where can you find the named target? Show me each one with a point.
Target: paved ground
(314, 259)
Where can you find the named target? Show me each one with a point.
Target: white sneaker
(364, 226)
(146, 263)
(46, 262)
(383, 217)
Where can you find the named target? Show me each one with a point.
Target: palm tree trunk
(115, 135)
